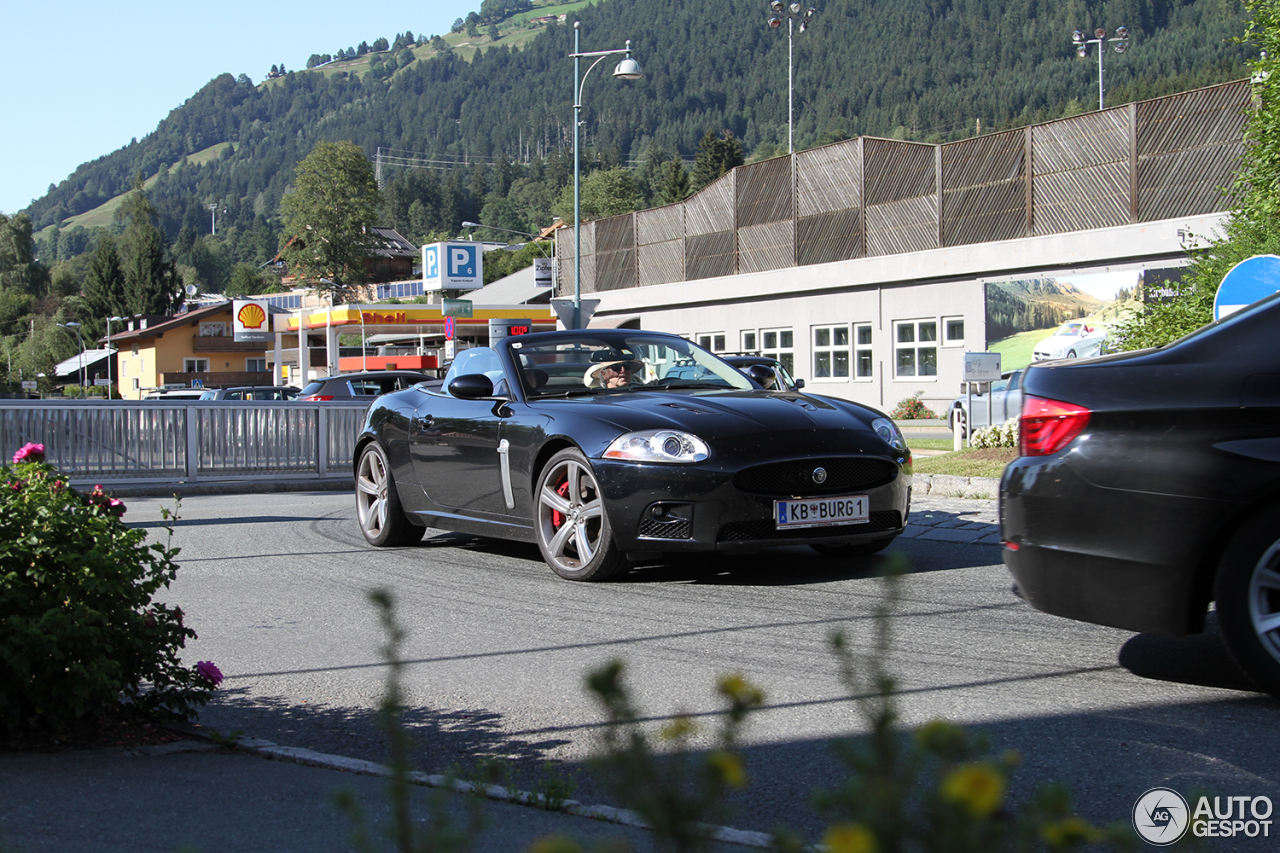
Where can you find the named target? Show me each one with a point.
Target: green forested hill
(497, 126)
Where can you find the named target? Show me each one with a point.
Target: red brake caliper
(557, 518)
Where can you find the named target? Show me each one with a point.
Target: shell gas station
(418, 335)
(421, 336)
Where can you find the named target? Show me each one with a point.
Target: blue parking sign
(453, 266)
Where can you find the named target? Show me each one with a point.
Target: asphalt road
(498, 649)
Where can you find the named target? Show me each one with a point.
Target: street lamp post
(1100, 39)
(75, 327)
(509, 231)
(627, 69)
(792, 13)
(110, 355)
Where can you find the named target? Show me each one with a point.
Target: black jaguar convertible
(614, 445)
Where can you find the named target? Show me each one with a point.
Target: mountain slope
(923, 69)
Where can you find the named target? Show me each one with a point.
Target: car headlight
(889, 431)
(658, 445)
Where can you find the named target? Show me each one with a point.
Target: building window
(255, 365)
(713, 341)
(953, 331)
(830, 352)
(863, 364)
(779, 344)
(135, 349)
(195, 365)
(915, 345)
(749, 341)
(135, 383)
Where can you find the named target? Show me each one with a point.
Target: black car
(1149, 486)
(604, 445)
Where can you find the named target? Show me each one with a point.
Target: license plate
(821, 512)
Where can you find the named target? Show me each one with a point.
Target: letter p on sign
(461, 261)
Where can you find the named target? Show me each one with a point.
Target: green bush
(911, 409)
(81, 639)
(1000, 435)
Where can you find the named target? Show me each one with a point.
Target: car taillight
(1047, 426)
(316, 398)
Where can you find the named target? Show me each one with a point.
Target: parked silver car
(251, 392)
(362, 386)
(1003, 402)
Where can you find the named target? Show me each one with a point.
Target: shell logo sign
(249, 320)
(251, 316)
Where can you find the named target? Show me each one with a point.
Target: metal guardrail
(123, 442)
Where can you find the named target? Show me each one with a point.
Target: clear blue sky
(82, 79)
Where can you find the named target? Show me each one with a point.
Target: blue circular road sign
(1247, 282)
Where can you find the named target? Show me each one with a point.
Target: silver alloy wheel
(1264, 601)
(571, 524)
(372, 482)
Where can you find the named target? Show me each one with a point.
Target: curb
(607, 814)
(950, 486)
(184, 489)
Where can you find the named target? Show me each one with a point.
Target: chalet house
(192, 350)
(391, 259)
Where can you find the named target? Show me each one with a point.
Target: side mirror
(799, 384)
(471, 386)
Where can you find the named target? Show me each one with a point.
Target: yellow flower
(978, 787)
(678, 729)
(849, 838)
(1069, 832)
(740, 690)
(730, 768)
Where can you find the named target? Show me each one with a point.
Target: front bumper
(672, 508)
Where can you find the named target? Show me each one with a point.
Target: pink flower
(30, 452)
(100, 498)
(209, 671)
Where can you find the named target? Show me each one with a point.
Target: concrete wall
(881, 291)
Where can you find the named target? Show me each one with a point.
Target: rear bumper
(1117, 557)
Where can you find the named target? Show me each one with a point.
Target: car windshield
(1070, 330)
(588, 365)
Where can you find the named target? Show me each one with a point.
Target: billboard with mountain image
(1035, 318)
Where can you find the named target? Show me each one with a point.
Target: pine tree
(103, 293)
(675, 181)
(151, 282)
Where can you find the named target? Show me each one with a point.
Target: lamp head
(628, 69)
(1082, 51)
(471, 225)
(775, 22)
(1077, 37)
(1100, 33)
(1123, 32)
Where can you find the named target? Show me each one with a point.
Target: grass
(965, 462)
